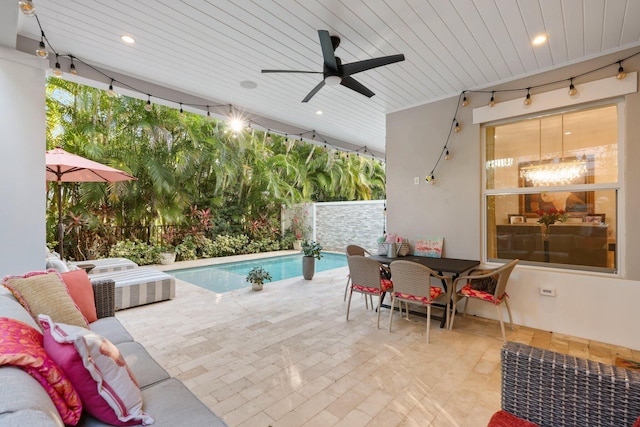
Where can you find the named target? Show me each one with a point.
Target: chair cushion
(505, 419)
(385, 285)
(434, 293)
(44, 292)
(107, 387)
(468, 291)
(21, 346)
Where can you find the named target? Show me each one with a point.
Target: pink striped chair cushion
(434, 293)
(385, 285)
(467, 291)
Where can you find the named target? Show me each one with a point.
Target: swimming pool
(230, 276)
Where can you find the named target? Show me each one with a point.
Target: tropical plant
(258, 275)
(311, 249)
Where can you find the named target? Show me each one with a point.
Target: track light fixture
(148, 106)
(621, 73)
(492, 101)
(27, 7)
(110, 91)
(572, 89)
(465, 101)
(57, 71)
(527, 99)
(42, 48)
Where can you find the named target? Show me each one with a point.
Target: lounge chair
(106, 265)
(139, 286)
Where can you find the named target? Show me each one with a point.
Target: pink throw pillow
(97, 370)
(79, 287)
(21, 346)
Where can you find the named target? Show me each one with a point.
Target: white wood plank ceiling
(208, 47)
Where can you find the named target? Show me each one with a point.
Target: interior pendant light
(572, 89)
(492, 101)
(148, 106)
(621, 73)
(57, 71)
(527, 99)
(27, 7)
(42, 48)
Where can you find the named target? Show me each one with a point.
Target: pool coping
(203, 262)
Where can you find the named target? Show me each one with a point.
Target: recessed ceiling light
(127, 39)
(248, 84)
(539, 39)
(319, 112)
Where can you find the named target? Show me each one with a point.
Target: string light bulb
(465, 101)
(57, 71)
(42, 48)
(181, 110)
(621, 73)
(72, 67)
(110, 91)
(148, 106)
(447, 156)
(492, 101)
(527, 99)
(431, 179)
(572, 89)
(457, 128)
(27, 7)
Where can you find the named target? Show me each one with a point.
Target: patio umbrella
(66, 167)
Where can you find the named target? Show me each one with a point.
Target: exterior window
(551, 190)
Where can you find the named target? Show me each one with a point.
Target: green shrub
(137, 251)
(188, 249)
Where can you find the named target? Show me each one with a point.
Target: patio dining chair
(412, 284)
(485, 285)
(366, 279)
(356, 250)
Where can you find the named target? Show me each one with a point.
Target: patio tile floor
(286, 356)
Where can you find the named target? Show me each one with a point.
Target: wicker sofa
(551, 389)
(24, 402)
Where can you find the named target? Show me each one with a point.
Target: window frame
(618, 186)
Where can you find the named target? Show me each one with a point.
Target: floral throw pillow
(21, 346)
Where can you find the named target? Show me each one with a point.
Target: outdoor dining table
(453, 266)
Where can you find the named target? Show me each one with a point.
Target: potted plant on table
(311, 251)
(257, 276)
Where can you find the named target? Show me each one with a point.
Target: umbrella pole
(60, 227)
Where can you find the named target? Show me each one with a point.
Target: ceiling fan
(335, 73)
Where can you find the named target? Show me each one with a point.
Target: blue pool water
(231, 276)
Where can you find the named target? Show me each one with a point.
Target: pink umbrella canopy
(66, 167)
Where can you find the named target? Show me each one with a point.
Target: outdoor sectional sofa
(24, 401)
(549, 389)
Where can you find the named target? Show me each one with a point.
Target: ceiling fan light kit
(334, 73)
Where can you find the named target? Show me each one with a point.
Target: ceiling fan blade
(327, 50)
(292, 71)
(367, 64)
(352, 84)
(313, 91)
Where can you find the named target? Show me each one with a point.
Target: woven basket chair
(412, 284)
(365, 279)
(463, 284)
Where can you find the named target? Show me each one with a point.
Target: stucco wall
(593, 306)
